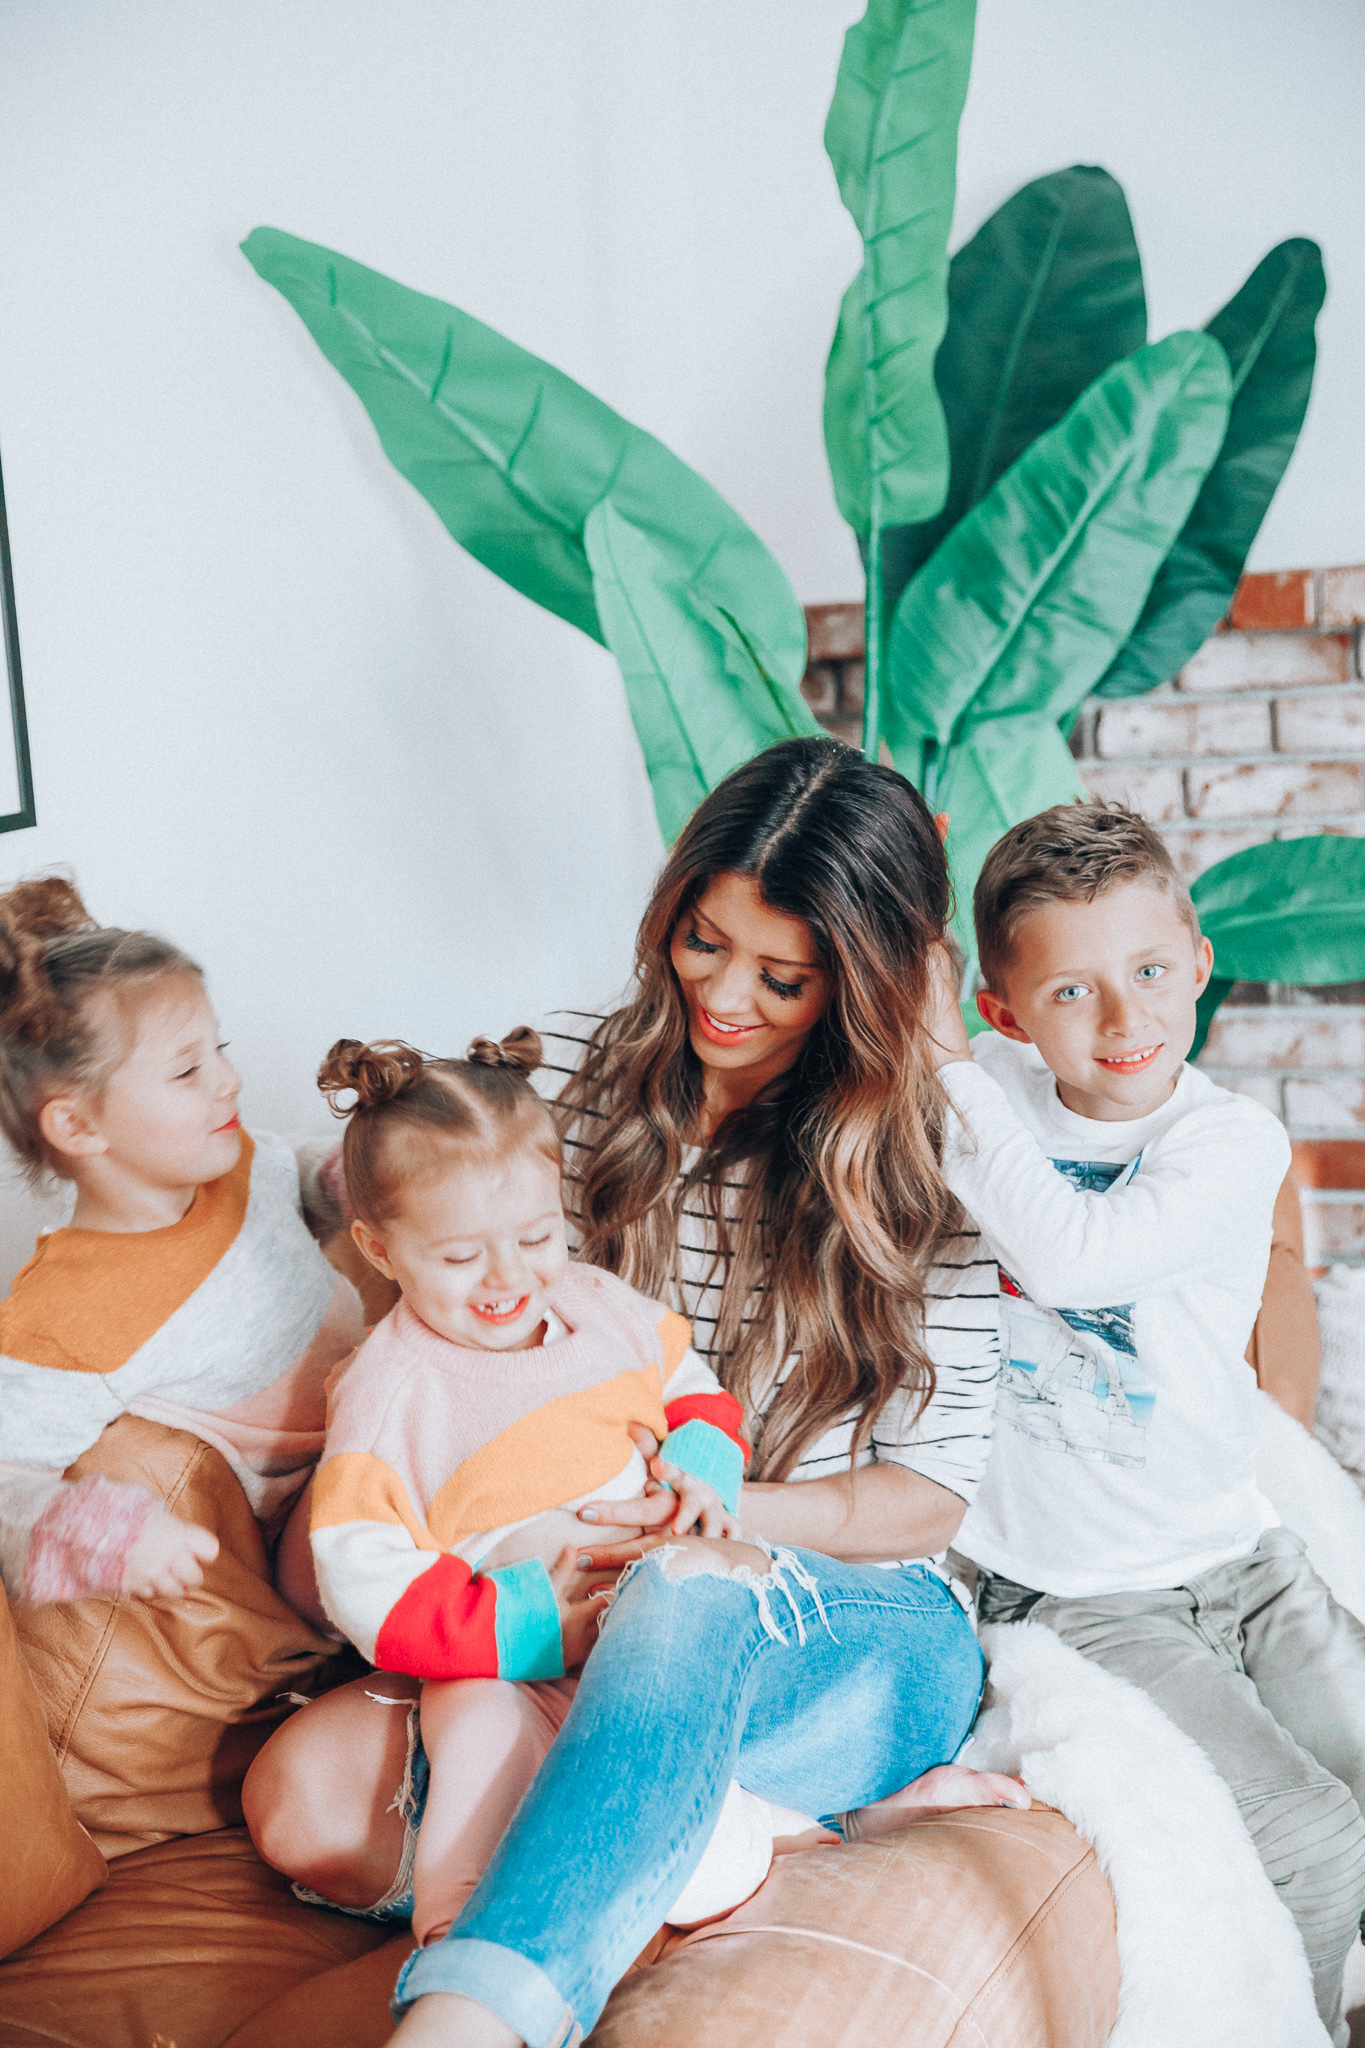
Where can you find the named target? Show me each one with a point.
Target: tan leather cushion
(155, 1709)
(183, 1940)
(1286, 1346)
(49, 1862)
(977, 1927)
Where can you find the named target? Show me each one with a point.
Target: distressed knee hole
(677, 1562)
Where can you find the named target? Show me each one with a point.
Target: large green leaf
(1041, 301)
(1024, 604)
(512, 455)
(700, 697)
(892, 139)
(1007, 770)
(1290, 910)
(1268, 333)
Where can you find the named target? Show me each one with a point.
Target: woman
(756, 1135)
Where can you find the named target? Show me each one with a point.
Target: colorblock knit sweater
(227, 1323)
(439, 1456)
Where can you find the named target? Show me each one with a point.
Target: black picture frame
(26, 815)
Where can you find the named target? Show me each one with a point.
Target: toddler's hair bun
(520, 1050)
(374, 1073)
(44, 907)
(31, 913)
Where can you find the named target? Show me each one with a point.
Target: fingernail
(584, 1563)
(587, 1514)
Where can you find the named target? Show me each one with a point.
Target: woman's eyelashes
(787, 990)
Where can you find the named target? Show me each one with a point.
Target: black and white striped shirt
(950, 1440)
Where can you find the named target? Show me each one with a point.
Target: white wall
(274, 711)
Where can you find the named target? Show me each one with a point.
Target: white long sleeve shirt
(1132, 1259)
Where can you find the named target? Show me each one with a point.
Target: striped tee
(950, 1441)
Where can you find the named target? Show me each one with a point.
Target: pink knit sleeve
(81, 1540)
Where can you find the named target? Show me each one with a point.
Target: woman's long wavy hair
(842, 1201)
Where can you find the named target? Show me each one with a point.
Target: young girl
(505, 1390)
(186, 1288)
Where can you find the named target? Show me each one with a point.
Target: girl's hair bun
(31, 913)
(44, 907)
(520, 1050)
(374, 1073)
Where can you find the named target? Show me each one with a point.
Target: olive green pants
(1257, 1663)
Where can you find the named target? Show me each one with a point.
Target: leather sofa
(134, 1912)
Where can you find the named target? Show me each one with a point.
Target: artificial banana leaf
(1268, 333)
(1005, 771)
(1023, 606)
(1289, 910)
(700, 697)
(512, 455)
(892, 139)
(1041, 301)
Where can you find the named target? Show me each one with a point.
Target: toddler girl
(506, 1389)
(186, 1288)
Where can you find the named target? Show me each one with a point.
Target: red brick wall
(1261, 736)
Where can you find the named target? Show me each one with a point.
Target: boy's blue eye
(695, 943)
(1072, 992)
(1150, 973)
(788, 990)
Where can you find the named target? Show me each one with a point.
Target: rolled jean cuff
(517, 1991)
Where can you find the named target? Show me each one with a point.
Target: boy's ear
(68, 1128)
(1203, 965)
(1000, 1016)
(372, 1249)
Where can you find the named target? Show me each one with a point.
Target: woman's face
(751, 978)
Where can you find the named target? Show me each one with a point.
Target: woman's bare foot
(447, 2019)
(945, 1789)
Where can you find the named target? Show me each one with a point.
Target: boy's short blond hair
(1069, 854)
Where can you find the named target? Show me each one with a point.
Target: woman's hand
(580, 1588)
(167, 1559)
(943, 1019)
(673, 1502)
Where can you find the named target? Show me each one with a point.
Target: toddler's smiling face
(478, 1248)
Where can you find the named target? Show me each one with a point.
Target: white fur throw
(1210, 1958)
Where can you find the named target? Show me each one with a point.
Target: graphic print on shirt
(1071, 1380)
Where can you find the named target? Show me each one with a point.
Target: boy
(1128, 1200)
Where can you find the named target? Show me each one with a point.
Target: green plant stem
(872, 648)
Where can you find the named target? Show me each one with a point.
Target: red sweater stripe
(442, 1626)
(722, 1411)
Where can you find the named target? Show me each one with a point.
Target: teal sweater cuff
(708, 1454)
(526, 1622)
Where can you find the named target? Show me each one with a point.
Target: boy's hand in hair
(167, 1559)
(943, 1017)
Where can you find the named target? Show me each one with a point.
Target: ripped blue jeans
(820, 1685)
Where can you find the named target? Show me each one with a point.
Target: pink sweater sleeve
(81, 1540)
